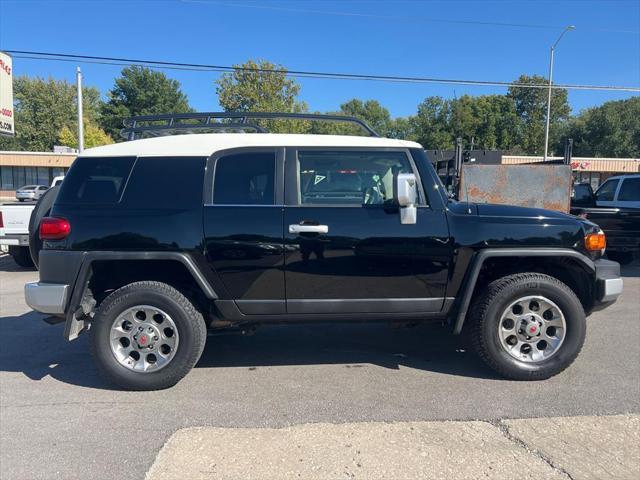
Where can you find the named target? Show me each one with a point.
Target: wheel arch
(559, 263)
(122, 268)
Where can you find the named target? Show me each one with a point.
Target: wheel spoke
(556, 321)
(536, 354)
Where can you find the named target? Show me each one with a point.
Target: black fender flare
(74, 325)
(473, 271)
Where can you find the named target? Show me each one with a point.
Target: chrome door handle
(295, 228)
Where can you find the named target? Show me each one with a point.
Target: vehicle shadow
(39, 350)
(428, 347)
(7, 264)
(425, 347)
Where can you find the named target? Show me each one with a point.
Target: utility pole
(80, 122)
(546, 130)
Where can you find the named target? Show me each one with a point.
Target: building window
(12, 178)
(6, 174)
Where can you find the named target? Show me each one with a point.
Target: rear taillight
(1, 221)
(54, 228)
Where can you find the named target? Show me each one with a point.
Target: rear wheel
(147, 336)
(528, 326)
(21, 256)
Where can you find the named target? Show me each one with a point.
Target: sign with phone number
(6, 94)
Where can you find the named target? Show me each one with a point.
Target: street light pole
(546, 130)
(80, 121)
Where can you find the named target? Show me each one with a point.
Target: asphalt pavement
(59, 419)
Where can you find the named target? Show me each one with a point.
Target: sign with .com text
(6, 95)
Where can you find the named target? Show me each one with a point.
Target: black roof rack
(166, 124)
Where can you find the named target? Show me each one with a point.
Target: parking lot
(60, 420)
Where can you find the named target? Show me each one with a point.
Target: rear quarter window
(165, 182)
(630, 190)
(96, 180)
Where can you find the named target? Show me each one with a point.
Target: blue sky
(376, 37)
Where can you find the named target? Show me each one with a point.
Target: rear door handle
(295, 228)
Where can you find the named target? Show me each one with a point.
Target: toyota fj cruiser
(151, 243)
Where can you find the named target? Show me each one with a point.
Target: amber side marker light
(595, 242)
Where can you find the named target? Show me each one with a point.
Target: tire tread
(119, 296)
(478, 316)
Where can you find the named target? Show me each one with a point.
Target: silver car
(30, 192)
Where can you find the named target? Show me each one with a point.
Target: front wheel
(528, 326)
(147, 336)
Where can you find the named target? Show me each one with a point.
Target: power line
(300, 73)
(263, 6)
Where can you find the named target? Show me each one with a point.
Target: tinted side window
(582, 192)
(166, 182)
(347, 177)
(630, 190)
(245, 179)
(606, 192)
(96, 180)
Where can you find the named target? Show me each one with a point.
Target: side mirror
(407, 195)
(406, 189)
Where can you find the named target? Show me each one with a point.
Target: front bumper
(48, 298)
(15, 239)
(609, 283)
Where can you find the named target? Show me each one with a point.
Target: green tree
(431, 125)
(370, 111)
(374, 114)
(610, 130)
(531, 108)
(94, 136)
(258, 87)
(486, 121)
(261, 86)
(43, 108)
(141, 91)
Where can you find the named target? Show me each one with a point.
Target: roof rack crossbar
(155, 124)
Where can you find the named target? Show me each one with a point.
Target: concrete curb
(550, 448)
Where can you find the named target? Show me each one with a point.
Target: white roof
(205, 144)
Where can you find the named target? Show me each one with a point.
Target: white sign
(6, 94)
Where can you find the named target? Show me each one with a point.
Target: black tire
(485, 315)
(189, 322)
(21, 256)
(42, 209)
(623, 258)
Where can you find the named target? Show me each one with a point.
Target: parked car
(14, 224)
(30, 192)
(621, 224)
(148, 268)
(621, 191)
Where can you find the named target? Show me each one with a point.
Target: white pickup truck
(14, 228)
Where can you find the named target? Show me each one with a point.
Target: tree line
(45, 113)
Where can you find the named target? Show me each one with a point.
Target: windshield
(29, 187)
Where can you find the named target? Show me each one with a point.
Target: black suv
(151, 243)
